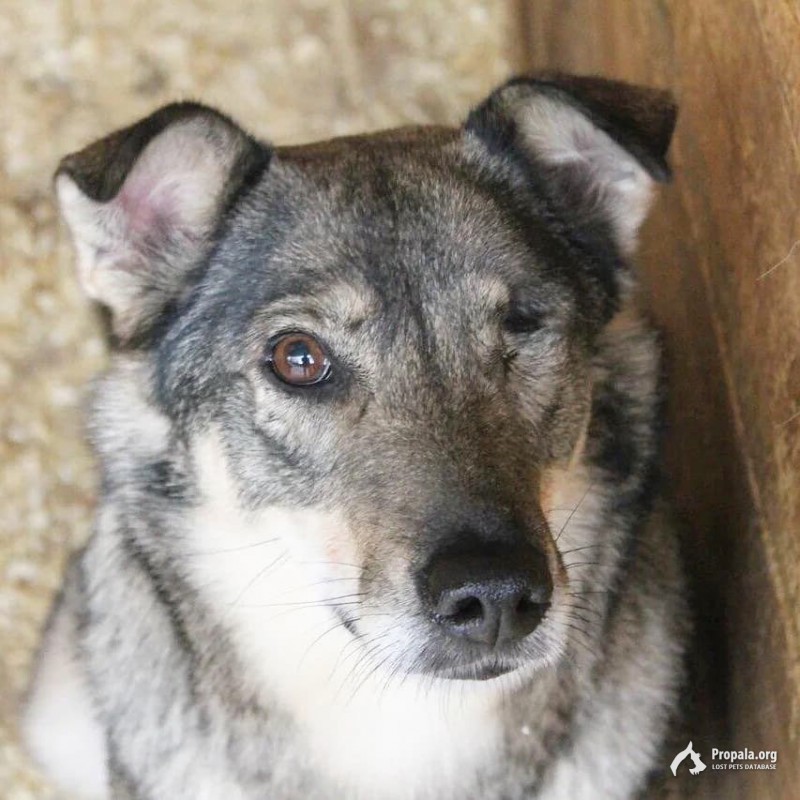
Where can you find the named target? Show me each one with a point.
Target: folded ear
(143, 205)
(596, 146)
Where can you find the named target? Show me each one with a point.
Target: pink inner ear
(149, 205)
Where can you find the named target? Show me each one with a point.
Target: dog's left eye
(298, 359)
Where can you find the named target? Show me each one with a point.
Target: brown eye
(298, 359)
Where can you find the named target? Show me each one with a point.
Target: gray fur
(489, 369)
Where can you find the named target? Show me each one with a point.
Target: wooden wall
(721, 267)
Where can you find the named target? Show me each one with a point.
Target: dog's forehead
(398, 215)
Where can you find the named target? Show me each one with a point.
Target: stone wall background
(72, 70)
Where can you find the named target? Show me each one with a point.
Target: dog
(379, 513)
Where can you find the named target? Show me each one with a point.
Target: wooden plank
(722, 274)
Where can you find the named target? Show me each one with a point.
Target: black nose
(494, 595)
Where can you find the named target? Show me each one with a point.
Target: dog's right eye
(298, 359)
(518, 321)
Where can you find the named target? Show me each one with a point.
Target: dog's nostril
(533, 603)
(466, 610)
(472, 609)
(528, 613)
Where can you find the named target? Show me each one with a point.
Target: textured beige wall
(71, 70)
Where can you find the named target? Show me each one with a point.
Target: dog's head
(377, 349)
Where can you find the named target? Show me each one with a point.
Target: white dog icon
(698, 767)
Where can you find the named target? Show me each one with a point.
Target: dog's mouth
(484, 669)
(440, 661)
(476, 672)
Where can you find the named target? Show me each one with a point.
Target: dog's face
(387, 339)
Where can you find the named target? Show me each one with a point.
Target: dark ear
(599, 145)
(143, 205)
